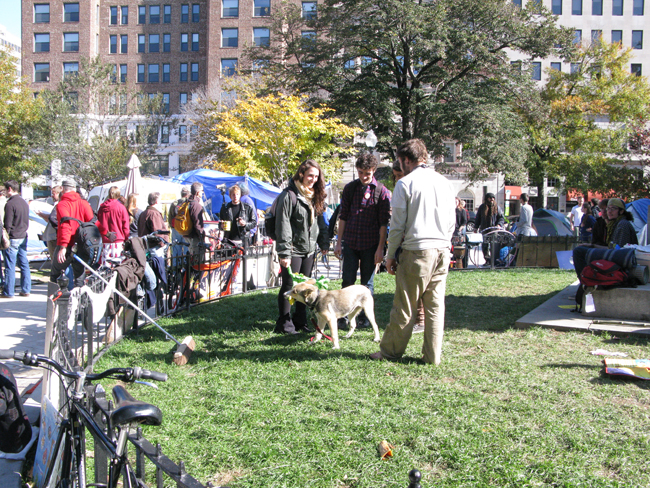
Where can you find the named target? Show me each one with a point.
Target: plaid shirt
(362, 215)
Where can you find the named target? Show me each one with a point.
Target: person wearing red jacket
(70, 205)
(114, 216)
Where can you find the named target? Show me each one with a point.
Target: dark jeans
(78, 269)
(580, 258)
(351, 261)
(302, 265)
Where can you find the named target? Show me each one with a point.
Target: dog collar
(313, 305)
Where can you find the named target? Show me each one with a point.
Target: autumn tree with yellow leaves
(267, 137)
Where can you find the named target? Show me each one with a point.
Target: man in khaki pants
(424, 217)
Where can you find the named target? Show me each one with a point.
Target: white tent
(169, 191)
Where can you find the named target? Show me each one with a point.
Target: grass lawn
(506, 407)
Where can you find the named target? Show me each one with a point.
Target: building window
(70, 42)
(575, 68)
(194, 132)
(41, 13)
(596, 7)
(114, 74)
(183, 72)
(617, 7)
(182, 99)
(596, 35)
(73, 100)
(113, 45)
(154, 43)
(41, 43)
(184, 42)
(123, 71)
(71, 12)
(167, 42)
(308, 10)
(113, 20)
(165, 101)
(230, 8)
(261, 8)
(195, 72)
(537, 71)
(124, 44)
(182, 133)
(229, 37)
(167, 14)
(556, 66)
(185, 13)
(261, 37)
(577, 36)
(556, 7)
(637, 39)
(450, 152)
(576, 7)
(637, 7)
(141, 73)
(154, 14)
(164, 130)
(228, 67)
(142, 42)
(635, 69)
(196, 12)
(154, 73)
(41, 72)
(125, 15)
(70, 69)
(195, 42)
(516, 3)
(166, 77)
(617, 36)
(142, 15)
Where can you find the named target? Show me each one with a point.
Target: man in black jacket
(240, 215)
(16, 221)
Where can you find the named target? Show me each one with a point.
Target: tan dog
(329, 306)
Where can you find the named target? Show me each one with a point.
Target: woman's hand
(285, 262)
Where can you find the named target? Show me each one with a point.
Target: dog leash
(313, 321)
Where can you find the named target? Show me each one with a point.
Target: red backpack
(604, 274)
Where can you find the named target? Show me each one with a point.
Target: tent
(639, 209)
(551, 223)
(35, 247)
(262, 193)
(169, 191)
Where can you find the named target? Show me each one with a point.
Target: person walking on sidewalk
(363, 227)
(422, 222)
(16, 221)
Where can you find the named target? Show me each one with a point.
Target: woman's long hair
(132, 205)
(318, 201)
(113, 193)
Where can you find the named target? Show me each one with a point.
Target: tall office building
(12, 44)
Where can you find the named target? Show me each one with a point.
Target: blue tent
(639, 209)
(551, 223)
(262, 193)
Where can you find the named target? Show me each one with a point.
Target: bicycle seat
(128, 410)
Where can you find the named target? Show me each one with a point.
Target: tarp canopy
(262, 193)
(551, 223)
(639, 209)
(169, 191)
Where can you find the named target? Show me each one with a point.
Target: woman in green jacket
(299, 228)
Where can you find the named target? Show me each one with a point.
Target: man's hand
(391, 266)
(379, 255)
(285, 262)
(338, 250)
(111, 236)
(60, 256)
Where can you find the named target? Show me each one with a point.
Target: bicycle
(82, 413)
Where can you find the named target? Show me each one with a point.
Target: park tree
(92, 123)
(590, 130)
(19, 112)
(268, 136)
(438, 70)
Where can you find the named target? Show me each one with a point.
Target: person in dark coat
(489, 214)
(240, 215)
(16, 221)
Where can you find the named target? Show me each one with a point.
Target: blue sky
(11, 16)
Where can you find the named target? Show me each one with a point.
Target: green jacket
(295, 237)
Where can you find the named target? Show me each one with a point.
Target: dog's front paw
(336, 346)
(376, 339)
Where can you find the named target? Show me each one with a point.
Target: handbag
(5, 242)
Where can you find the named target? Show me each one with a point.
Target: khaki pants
(420, 275)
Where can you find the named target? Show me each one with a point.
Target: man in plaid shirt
(363, 226)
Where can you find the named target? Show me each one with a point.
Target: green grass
(506, 407)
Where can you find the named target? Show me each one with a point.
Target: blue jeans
(17, 252)
(178, 249)
(351, 261)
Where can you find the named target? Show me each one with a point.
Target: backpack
(269, 217)
(89, 241)
(182, 221)
(15, 430)
(604, 275)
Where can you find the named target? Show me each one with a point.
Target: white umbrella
(133, 183)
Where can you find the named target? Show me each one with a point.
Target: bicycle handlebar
(123, 374)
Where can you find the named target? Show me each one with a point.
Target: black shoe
(363, 324)
(303, 328)
(343, 323)
(284, 325)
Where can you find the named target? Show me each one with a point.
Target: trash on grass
(605, 352)
(385, 450)
(632, 368)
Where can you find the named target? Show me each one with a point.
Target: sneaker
(418, 329)
(2, 295)
(284, 326)
(23, 294)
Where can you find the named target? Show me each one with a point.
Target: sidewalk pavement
(22, 327)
